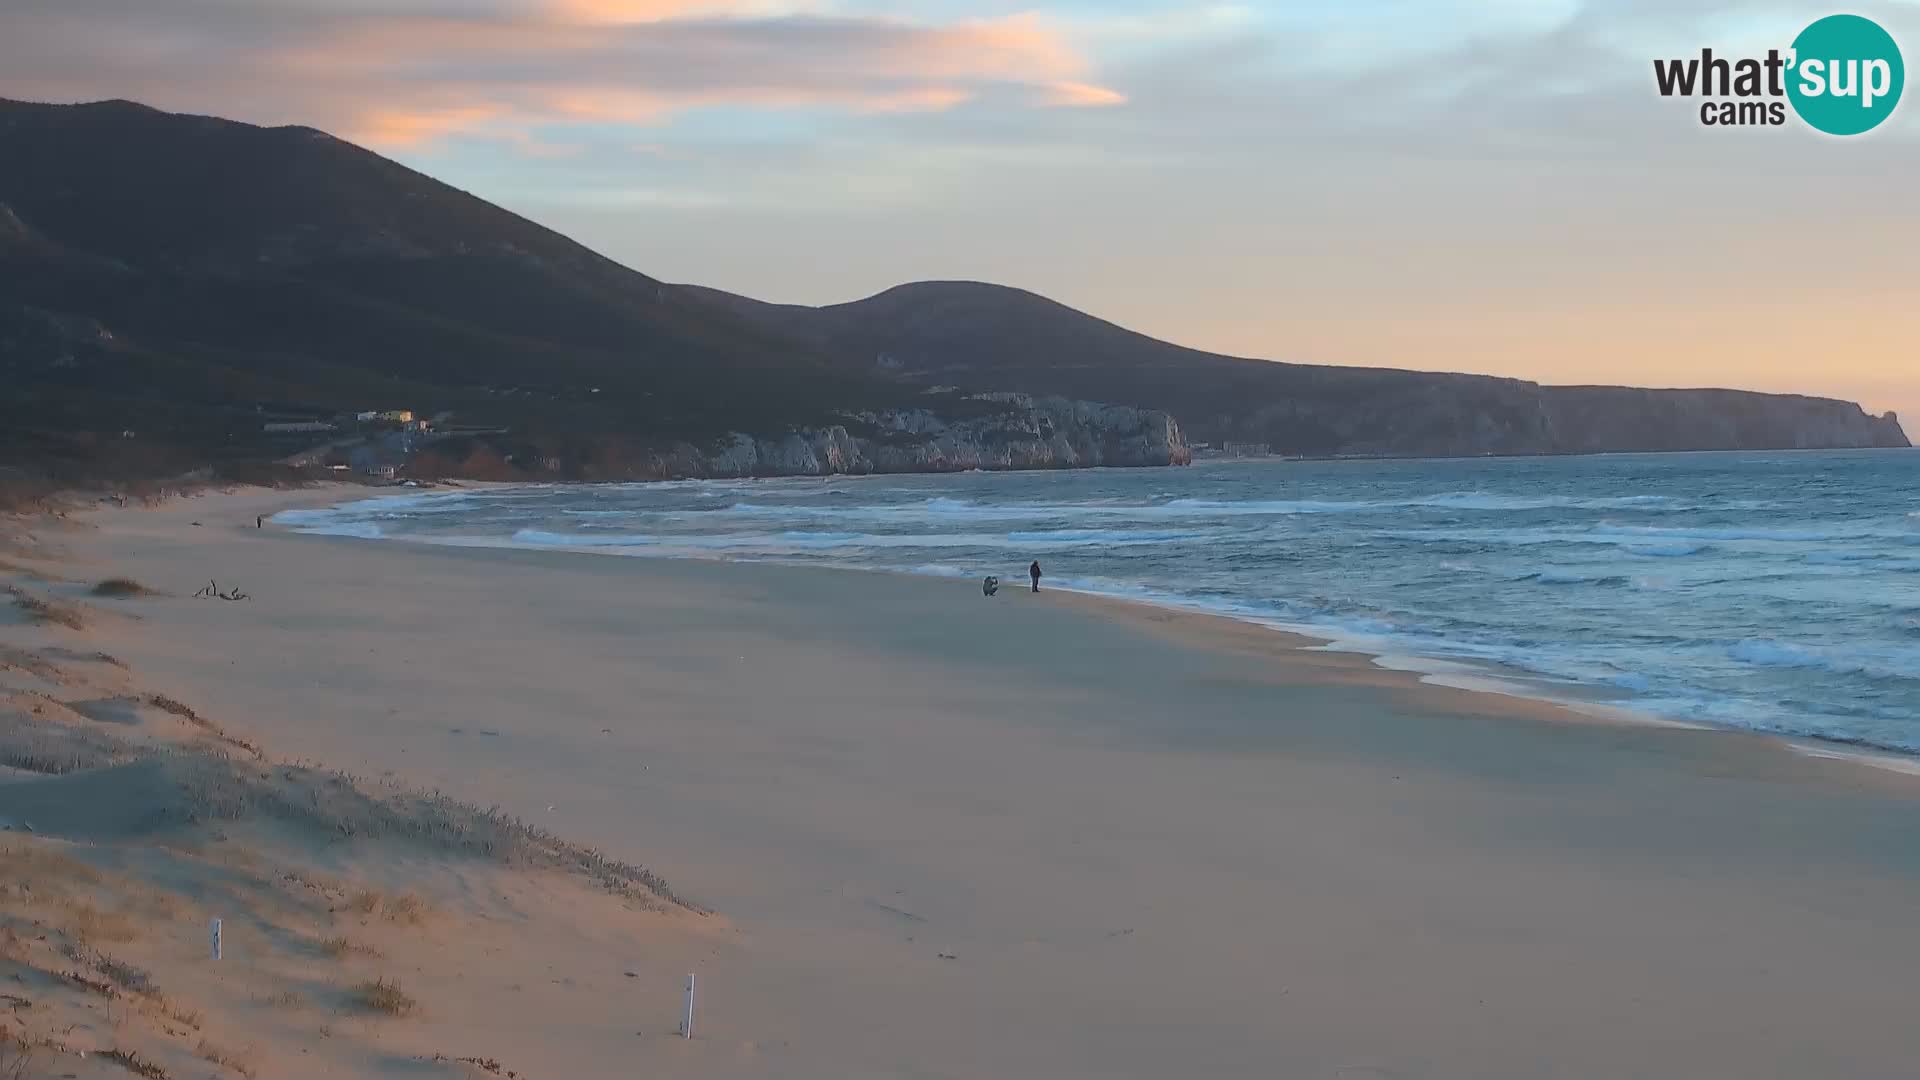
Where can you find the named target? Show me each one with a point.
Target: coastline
(1048, 836)
(1478, 676)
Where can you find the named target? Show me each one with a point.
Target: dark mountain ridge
(286, 255)
(187, 279)
(972, 334)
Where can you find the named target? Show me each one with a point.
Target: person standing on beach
(1034, 572)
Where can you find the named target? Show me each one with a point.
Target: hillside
(970, 334)
(177, 276)
(170, 285)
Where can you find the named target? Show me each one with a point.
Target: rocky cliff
(1004, 431)
(1594, 419)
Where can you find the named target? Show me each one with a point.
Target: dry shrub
(126, 976)
(285, 999)
(386, 997)
(406, 909)
(241, 1063)
(47, 610)
(186, 712)
(178, 708)
(135, 1064)
(95, 986)
(181, 1014)
(336, 948)
(119, 586)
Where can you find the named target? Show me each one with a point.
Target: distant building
(289, 426)
(382, 472)
(398, 416)
(367, 416)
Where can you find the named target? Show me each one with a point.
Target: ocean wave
(1800, 536)
(1875, 663)
(1453, 500)
(804, 539)
(319, 525)
(1196, 507)
(1633, 543)
(1574, 577)
(419, 502)
(943, 570)
(543, 538)
(1104, 536)
(1842, 558)
(1665, 551)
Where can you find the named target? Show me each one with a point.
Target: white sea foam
(1883, 663)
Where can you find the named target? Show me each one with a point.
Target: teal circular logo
(1846, 75)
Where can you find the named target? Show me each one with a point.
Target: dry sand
(943, 836)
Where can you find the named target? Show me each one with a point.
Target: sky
(1489, 186)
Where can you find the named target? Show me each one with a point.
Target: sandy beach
(920, 833)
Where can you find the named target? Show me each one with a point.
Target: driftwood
(212, 589)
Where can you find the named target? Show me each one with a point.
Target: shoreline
(1056, 836)
(1477, 677)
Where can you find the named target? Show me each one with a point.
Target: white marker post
(213, 932)
(686, 1022)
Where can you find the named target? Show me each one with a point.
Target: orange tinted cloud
(1081, 95)
(499, 67)
(383, 127)
(615, 12)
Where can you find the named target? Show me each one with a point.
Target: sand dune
(939, 835)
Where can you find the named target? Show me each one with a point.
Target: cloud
(408, 74)
(1081, 95)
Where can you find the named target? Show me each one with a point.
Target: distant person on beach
(260, 522)
(1034, 573)
(990, 586)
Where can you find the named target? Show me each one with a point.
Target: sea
(1774, 592)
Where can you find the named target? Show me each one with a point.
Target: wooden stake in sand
(686, 1022)
(213, 932)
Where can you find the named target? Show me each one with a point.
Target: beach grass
(48, 610)
(385, 996)
(231, 1060)
(122, 587)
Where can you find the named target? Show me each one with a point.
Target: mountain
(969, 334)
(191, 280)
(183, 265)
(171, 286)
